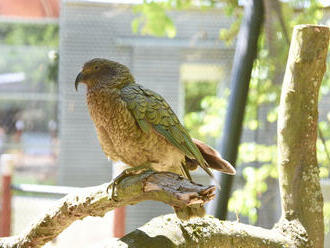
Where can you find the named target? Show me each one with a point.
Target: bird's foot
(125, 173)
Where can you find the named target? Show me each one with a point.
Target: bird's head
(99, 72)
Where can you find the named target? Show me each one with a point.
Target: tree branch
(166, 187)
(169, 188)
(207, 232)
(297, 131)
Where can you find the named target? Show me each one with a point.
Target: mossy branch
(207, 232)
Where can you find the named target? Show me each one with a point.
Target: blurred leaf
(153, 20)
(272, 115)
(326, 210)
(253, 124)
(29, 34)
(324, 172)
(205, 113)
(229, 35)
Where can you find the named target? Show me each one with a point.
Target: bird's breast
(131, 144)
(108, 110)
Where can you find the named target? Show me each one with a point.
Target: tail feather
(188, 212)
(213, 159)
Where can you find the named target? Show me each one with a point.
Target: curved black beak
(78, 80)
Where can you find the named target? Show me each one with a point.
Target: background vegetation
(204, 109)
(257, 161)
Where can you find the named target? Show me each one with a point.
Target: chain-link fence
(45, 123)
(28, 106)
(28, 110)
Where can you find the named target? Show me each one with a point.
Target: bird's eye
(96, 67)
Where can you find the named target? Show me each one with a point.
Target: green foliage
(265, 91)
(29, 49)
(326, 210)
(311, 14)
(33, 61)
(206, 122)
(29, 34)
(195, 91)
(231, 9)
(25, 45)
(52, 73)
(153, 20)
(246, 200)
(229, 34)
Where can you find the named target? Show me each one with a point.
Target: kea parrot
(138, 127)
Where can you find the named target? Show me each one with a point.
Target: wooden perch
(301, 225)
(166, 187)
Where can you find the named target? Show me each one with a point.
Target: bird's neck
(126, 84)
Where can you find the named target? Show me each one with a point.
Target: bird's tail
(188, 212)
(213, 158)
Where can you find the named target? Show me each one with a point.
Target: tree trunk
(297, 131)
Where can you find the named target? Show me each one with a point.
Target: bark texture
(297, 131)
(207, 232)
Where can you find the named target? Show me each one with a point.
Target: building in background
(90, 29)
(103, 29)
(28, 87)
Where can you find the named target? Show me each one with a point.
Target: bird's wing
(152, 112)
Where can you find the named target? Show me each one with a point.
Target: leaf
(135, 25)
(153, 20)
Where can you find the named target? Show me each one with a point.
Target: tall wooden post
(119, 215)
(6, 163)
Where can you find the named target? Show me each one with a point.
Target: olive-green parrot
(137, 126)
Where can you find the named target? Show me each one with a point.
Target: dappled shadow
(138, 238)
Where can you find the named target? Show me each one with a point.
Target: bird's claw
(122, 176)
(112, 187)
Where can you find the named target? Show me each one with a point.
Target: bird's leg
(126, 173)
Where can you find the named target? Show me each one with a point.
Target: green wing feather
(152, 111)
